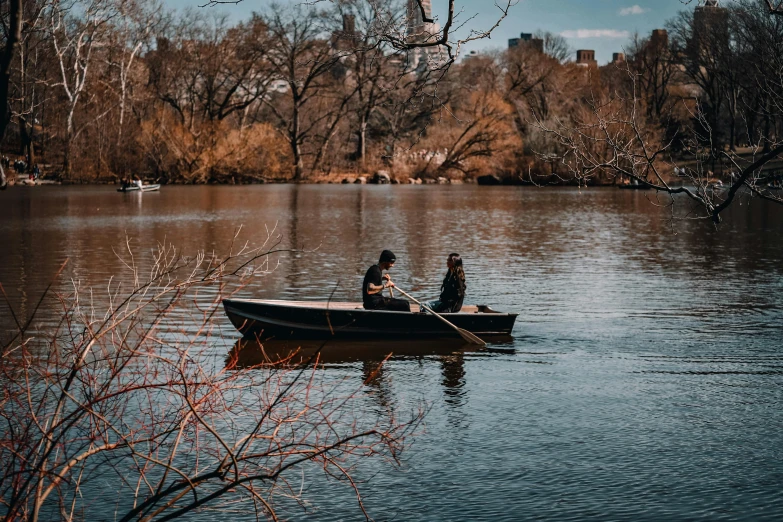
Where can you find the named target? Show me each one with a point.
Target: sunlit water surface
(644, 380)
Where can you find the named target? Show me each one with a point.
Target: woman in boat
(375, 282)
(452, 291)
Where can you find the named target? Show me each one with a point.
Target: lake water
(644, 380)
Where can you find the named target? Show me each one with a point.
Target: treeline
(105, 89)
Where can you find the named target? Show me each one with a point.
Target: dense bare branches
(775, 8)
(419, 29)
(127, 395)
(693, 112)
(13, 35)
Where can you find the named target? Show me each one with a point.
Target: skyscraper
(420, 31)
(416, 23)
(710, 28)
(709, 15)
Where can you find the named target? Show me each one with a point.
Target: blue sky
(602, 25)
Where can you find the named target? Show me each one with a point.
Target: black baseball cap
(387, 256)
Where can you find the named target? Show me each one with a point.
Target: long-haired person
(452, 291)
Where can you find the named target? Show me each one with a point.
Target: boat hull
(279, 319)
(144, 188)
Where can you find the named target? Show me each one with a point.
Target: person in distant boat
(138, 182)
(375, 282)
(452, 291)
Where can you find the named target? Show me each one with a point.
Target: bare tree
(30, 82)
(419, 29)
(613, 137)
(532, 81)
(208, 75)
(12, 35)
(303, 62)
(74, 39)
(130, 34)
(371, 70)
(209, 71)
(125, 395)
(652, 62)
(555, 46)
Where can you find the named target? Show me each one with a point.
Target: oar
(469, 337)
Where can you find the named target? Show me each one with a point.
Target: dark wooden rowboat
(323, 320)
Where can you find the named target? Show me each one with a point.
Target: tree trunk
(296, 148)
(766, 130)
(13, 35)
(67, 156)
(298, 163)
(733, 133)
(68, 143)
(26, 138)
(361, 147)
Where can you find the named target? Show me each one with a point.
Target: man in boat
(375, 282)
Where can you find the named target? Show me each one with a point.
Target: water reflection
(453, 370)
(248, 353)
(371, 356)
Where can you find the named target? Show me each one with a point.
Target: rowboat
(135, 188)
(323, 320)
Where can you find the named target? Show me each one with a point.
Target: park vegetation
(108, 89)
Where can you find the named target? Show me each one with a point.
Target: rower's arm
(375, 289)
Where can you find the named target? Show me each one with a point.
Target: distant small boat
(324, 320)
(135, 188)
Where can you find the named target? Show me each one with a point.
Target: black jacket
(452, 293)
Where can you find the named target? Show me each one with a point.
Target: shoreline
(46, 182)
(23, 180)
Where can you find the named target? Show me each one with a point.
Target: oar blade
(470, 337)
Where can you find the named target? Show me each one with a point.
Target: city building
(420, 31)
(710, 27)
(345, 40)
(417, 28)
(586, 58)
(618, 58)
(659, 39)
(527, 39)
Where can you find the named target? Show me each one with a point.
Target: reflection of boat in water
(324, 320)
(251, 352)
(136, 188)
